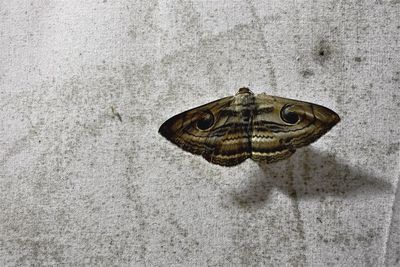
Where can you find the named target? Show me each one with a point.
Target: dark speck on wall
(393, 148)
(116, 114)
(322, 52)
(307, 73)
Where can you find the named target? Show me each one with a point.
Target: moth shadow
(308, 174)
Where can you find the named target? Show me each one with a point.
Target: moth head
(244, 91)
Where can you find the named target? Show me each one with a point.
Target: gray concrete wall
(80, 187)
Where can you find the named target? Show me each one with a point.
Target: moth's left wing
(211, 130)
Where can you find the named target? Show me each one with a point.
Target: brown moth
(261, 127)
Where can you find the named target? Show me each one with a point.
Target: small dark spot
(357, 59)
(307, 73)
(132, 33)
(339, 99)
(289, 116)
(322, 52)
(393, 148)
(206, 122)
(319, 219)
(396, 76)
(116, 114)
(353, 87)
(40, 141)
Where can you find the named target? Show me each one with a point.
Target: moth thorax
(244, 100)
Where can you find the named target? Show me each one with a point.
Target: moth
(261, 127)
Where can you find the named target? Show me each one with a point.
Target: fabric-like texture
(86, 180)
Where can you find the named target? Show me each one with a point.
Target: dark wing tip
(336, 119)
(165, 129)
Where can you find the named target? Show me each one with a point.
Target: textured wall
(85, 179)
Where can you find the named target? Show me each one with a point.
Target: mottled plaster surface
(85, 179)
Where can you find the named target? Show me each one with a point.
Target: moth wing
(275, 136)
(267, 132)
(182, 128)
(220, 144)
